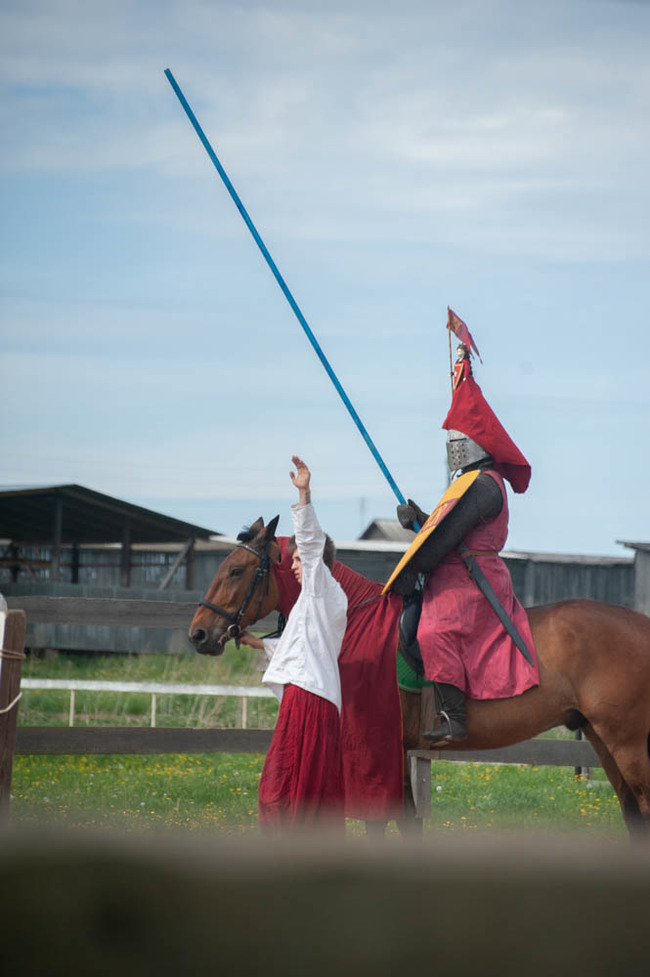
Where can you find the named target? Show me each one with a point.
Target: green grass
(218, 792)
(211, 791)
(471, 796)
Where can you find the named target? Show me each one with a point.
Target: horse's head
(243, 591)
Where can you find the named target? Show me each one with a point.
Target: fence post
(581, 772)
(420, 777)
(71, 711)
(13, 654)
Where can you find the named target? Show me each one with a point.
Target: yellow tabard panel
(455, 491)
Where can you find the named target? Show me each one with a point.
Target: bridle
(260, 577)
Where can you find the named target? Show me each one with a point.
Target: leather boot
(450, 703)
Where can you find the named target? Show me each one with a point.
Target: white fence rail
(154, 689)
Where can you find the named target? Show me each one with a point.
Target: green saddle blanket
(407, 678)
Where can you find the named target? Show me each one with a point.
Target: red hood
(471, 414)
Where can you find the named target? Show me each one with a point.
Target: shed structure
(641, 575)
(44, 530)
(388, 530)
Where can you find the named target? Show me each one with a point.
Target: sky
(396, 158)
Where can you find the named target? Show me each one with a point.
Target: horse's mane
(246, 535)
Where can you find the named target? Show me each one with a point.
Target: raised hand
(301, 479)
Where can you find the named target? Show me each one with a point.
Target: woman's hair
(329, 550)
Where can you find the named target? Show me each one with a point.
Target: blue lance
(475, 571)
(285, 288)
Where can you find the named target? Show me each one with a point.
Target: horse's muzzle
(206, 643)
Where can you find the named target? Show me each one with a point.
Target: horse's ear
(270, 529)
(250, 532)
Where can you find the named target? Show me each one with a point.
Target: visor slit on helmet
(463, 451)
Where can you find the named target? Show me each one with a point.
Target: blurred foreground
(169, 904)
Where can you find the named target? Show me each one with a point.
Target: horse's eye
(236, 571)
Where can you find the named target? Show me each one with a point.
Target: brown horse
(594, 664)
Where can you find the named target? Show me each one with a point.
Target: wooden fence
(129, 740)
(11, 660)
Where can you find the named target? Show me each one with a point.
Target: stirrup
(449, 731)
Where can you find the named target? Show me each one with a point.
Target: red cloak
(471, 414)
(371, 719)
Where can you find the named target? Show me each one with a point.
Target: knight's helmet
(462, 451)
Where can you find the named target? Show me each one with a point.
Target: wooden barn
(59, 532)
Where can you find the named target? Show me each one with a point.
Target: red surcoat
(462, 641)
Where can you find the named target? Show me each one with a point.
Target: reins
(364, 603)
(261, 577)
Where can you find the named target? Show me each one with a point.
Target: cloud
(360, 128)
(394, 158)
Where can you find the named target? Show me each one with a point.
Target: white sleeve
(310, 540)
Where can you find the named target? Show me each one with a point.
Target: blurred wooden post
(13, 654)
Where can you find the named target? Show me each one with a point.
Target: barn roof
(641, 547)
(28, 516)
(387, 529)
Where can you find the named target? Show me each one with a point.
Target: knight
(473, 634)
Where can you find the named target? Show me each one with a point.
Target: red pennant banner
(456, 325)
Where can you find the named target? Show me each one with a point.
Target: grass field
(218, 792)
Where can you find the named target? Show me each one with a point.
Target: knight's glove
(410, 514)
